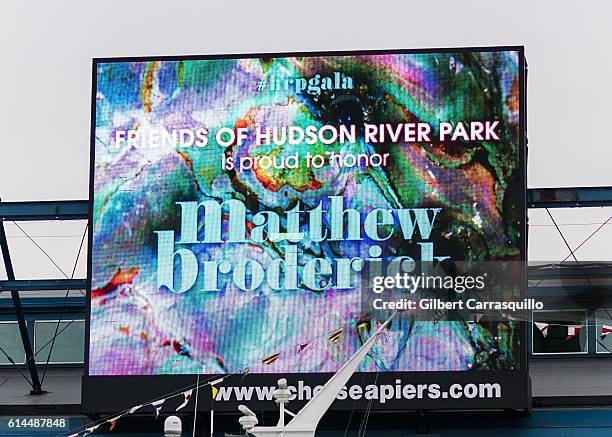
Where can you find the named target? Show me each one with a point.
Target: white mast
(305, 422)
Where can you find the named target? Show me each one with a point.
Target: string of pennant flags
(572, 330)
(187, 392)
(156, 404)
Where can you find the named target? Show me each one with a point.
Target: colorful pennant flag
(605, 330)
(335, 336)
(187, 395)
(217, 381)
(542, 327)
(91, 429)
(133, 409)
(213, 387)
(158, 406)
(113, 421)
(572, 331)
(270, 359)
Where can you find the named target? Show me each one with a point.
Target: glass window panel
(10, 342)
(69, 345)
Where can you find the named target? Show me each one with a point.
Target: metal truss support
(43, 284)
(584, 270)
(44, 210)
(569, 197)
(78, 209)
(24, 211)
(23, 330)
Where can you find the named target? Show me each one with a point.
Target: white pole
(310, 415)
(212, 420)
(195, 410)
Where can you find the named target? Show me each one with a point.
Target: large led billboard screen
(237, 201)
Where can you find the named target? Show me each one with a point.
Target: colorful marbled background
(136, 329)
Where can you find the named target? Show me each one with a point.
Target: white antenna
(305, 422)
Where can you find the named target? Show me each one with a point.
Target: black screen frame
(99, 393)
